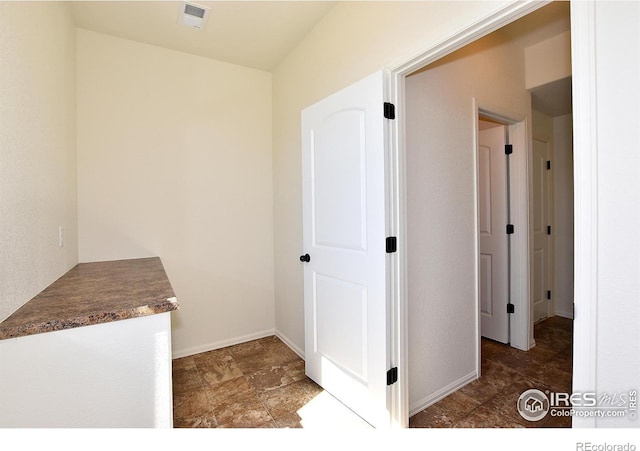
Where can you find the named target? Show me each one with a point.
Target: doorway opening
(444, 266)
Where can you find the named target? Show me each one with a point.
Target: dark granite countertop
(95, 293)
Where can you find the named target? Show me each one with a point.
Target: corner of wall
(37, 149)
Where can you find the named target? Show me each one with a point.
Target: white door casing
(345, 296)
(541, 255)
(493, 265)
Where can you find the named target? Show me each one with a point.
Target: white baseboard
(564, 314)
(441, 394)
(223, 343)
(290, 343)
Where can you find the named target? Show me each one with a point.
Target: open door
(493, 217)
(541, 230)
(343, 174)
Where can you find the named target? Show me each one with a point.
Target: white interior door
(346, 334)
(541, 260)
(492, 193)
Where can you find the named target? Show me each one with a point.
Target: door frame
(520, 330)
(585, 190)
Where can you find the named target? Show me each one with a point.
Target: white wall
(618, 200)
(37, 149)
(174, 160)
(352, 41)
(441, 205)
(562, 172)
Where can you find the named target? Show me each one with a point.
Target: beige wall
(442, 205)
(174, 160)
(37, 149)
(548, 61)
(353, 40)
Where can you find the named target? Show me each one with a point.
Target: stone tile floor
(490, 401)
(258, 384)
(261, 384)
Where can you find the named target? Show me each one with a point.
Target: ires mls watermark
(534, 405)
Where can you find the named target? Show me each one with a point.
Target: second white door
(492, 193)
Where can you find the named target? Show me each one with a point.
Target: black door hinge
(548, 294)
(392, 376)
(548, 165)
(548, 230)
(389, 110)
(510, 229)
(391, 244)
(511, 308)
(508, 149)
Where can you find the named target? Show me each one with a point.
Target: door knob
(305, 258)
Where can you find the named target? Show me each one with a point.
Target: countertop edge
(87, 320)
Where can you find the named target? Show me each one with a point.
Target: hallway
(490, 402)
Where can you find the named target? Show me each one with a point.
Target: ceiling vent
(193, 15)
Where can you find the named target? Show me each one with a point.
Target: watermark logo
(533, 405)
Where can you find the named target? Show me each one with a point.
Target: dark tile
(490, 349)
(485, 417)
(261, 384)
(274, 345)
(230, 390)
(244, 349)
(186, 380)
(445, 412)
(200, 422)
(194, 404)
(285, 400)
(277, 376)
(552, 338)
(495, 376)
(184, 363)
(242, 411)
(216, 368)
(431, 417)
(523, 361)
(289, 421)
(253, 356)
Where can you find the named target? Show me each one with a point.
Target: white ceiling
(257, 34)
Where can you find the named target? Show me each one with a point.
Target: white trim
(399, 330)
(476, 234)
(442, 393)
(290, 343)
(492, 22)
(585, 164)
(222, 344)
